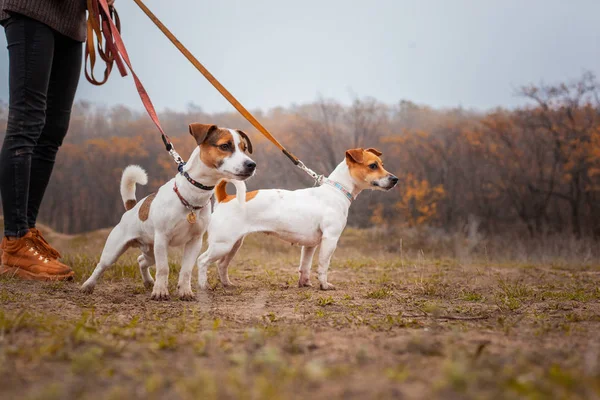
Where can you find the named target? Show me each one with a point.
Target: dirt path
(395, 328)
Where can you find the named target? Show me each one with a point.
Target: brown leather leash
(217, 85)
(103, 22)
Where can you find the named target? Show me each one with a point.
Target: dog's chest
(184, 230)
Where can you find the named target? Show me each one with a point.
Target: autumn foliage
(534, 169)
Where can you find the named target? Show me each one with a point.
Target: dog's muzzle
(388, 183)
(249, 168)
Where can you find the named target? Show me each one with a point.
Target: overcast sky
(444, 53)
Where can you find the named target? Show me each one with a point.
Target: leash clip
(177, 158)
(317, 178)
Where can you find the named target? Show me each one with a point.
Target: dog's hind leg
(145, 261)
(115, 246)
(215, 252)
(223, 264)
(190, 253)
(305, 264)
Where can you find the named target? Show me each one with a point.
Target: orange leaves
(535, 167)
(418, 203)
(377, 217)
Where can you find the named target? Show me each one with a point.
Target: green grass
(473, 297)
(325, 301)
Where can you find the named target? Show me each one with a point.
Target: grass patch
(472, 297)
(325, 301)
(381, 293)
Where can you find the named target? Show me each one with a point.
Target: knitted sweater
(64, 16)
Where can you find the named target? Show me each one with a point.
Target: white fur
(234, 165)
(240, 191)
(308, 217)
(167, 224)
(132, 175)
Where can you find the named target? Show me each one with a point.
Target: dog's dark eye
(373, 166)
(224, 147)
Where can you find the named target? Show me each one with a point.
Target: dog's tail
(132, 175)
(221, 191)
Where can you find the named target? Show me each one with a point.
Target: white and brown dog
(179, 213)
(308, 217)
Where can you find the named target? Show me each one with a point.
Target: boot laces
(36, 252)
(45, 246)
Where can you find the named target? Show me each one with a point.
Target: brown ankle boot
(43, 245)
(24, 259)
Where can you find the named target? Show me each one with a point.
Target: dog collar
(193, 182)
(186, 203)
(340, 187)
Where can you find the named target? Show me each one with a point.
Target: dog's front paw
(202, 284)
(87, 288)
(327, 286)
(304, 281)
(187, 297)
(186, 294)
(160, 293)
(160, 296)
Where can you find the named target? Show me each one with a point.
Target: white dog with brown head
(179, 213)
(308, 217)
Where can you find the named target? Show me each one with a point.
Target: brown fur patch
(245, 143)
(211, 153)
(223, 197)
(355, 155)
(144, 211)
(360, 170)
(249, 196)
(129, 204)
(374, 151)
(201, 131)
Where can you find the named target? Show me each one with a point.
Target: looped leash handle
(98, 27)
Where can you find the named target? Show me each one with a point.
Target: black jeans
(44, 68)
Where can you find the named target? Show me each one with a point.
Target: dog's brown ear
(355, 155)
(247, 139)
(201, 131)
(374, 151)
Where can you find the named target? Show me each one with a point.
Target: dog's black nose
(250, 165)
(394, 179)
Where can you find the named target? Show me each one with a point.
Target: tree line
(532, 169)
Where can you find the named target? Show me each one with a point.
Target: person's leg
(30, 51)
(66, 68)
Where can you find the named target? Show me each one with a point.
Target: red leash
(103, 23)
